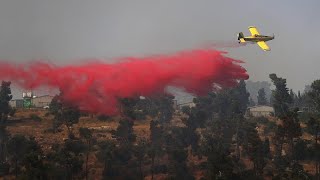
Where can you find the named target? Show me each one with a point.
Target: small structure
(16, 103)
(41, 101)
(260, 110)
(189, 104)
(175, 104)
(27, 96)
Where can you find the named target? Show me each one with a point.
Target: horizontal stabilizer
(242, 40)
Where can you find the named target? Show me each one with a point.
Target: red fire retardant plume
(95, 87)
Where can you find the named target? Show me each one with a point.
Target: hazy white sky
(65, 31)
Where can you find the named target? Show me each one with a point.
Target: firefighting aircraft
(255, 38)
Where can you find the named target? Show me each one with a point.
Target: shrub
(12, 112)
(270, 127)
(35, 117)
(262, 120)
(103, 118)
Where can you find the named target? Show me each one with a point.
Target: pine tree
(156, 140)
(140, 151)
(26, 153)
(290, 126)
(281, 97)
(106, 155)
(219, 164)
(176, 147)
(64, 114)
(266, 147)
(124, 131)
(240, 96)
(86, 134)
(251, 102)
(314, 95)
(262, 100)
(5, 97)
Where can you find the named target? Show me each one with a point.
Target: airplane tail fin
(241, 38)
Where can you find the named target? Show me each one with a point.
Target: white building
(17, 103)
(189, 104)
(42, 101)
(260, 110)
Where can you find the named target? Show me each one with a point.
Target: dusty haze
(64, 32)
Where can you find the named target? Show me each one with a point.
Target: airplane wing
(253, 30)
(263, 45)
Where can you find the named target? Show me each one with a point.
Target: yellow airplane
(255, 38)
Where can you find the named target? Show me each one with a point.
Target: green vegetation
(213, 140)
(35, 117)
(262, 100)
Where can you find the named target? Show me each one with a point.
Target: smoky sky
(70, 31)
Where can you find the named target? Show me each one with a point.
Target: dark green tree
(129, 107)
(21, 149)
(124, 132)
(17, 149)
(292, 128)
(300, 150)
(298, 100)
(281, 97)
(313, 127)
(140, 151)
(314, 96)
(64, 114)
(55, 110)
(106, 154)
(266, 148)
(286, 132)
(196, 118)
(219, 164)
(66, 160)
(164, 106)
(242, 95)
(232, 102)
(124, 150)
(292, 95)
(205, 109)
(225, 112)
(35, 166)
(279, 140)
(123, 165)
(156, 143)
(86, 134)
(262, 100)
(176, 147)
(253, 88)
(70, 117)
(251, 102)
(255, 149)
(239, 103)
(5, 97)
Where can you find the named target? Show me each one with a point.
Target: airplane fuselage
(257, 38)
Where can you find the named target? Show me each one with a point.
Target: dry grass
(309, 167)
(21, 123)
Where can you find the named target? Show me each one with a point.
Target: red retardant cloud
(95, 87)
